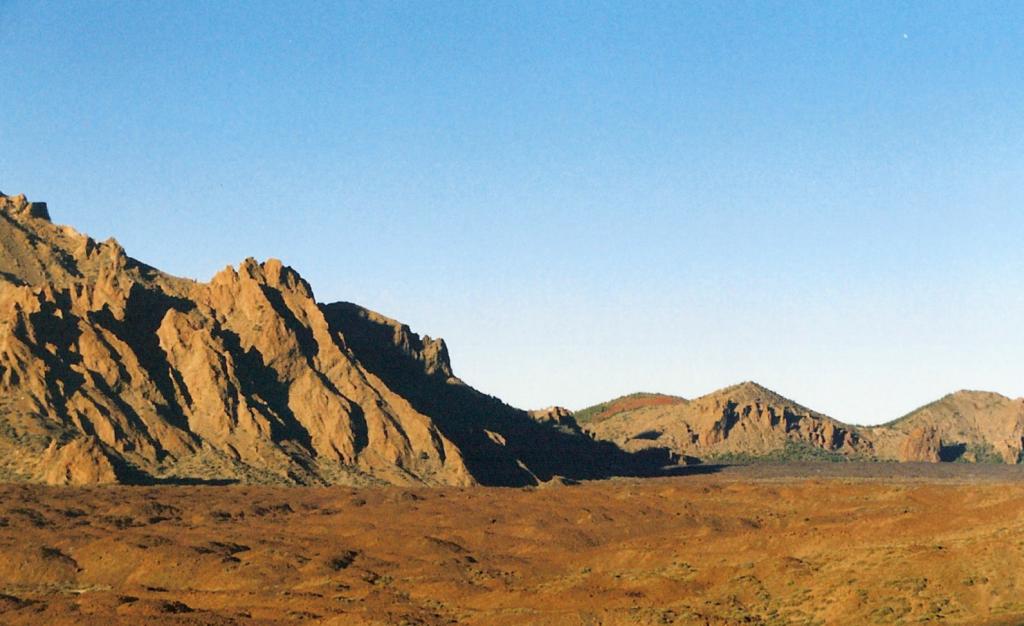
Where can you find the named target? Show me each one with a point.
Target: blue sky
(585, 199)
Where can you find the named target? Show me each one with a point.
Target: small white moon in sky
(906, 36)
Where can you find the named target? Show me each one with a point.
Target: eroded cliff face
(744, 420)
(971, 426)
(921, 445)
(111, 370)
(748, 418)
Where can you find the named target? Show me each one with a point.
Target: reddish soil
(811, 544)
(634, 402)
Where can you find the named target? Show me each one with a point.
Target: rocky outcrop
(111, 370)
(922, 445)
(19, 206)
(743, 420)
(82, 461)
(750, 421)
(557, 415)
(973, 426)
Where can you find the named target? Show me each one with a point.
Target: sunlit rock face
(112, 371)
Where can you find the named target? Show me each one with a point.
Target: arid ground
(761, 544)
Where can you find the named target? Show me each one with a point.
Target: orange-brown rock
(245, 378)
(976, 426)
(81, 461)
(923, 445)
(558, 415)
(744, 420)
(747, 420)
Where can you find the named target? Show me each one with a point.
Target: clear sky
(585, 199)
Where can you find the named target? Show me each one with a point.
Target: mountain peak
(749, 391)
(977, 394)
(752, 386)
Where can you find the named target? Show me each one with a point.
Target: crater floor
(846, 543)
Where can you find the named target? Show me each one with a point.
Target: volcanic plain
(815, 543)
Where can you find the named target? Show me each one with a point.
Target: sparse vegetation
(794, 451)
(628, 402)
(679, 550)
(980, 453)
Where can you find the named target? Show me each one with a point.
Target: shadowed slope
(500, 444)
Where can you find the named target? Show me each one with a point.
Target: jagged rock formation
(750, 421)
(111, 370)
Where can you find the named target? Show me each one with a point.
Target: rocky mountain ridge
(112, 371)
(748, 421)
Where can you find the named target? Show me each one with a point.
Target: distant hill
(748, 421)
(624, 404)
(738, 422)
(977, 426)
